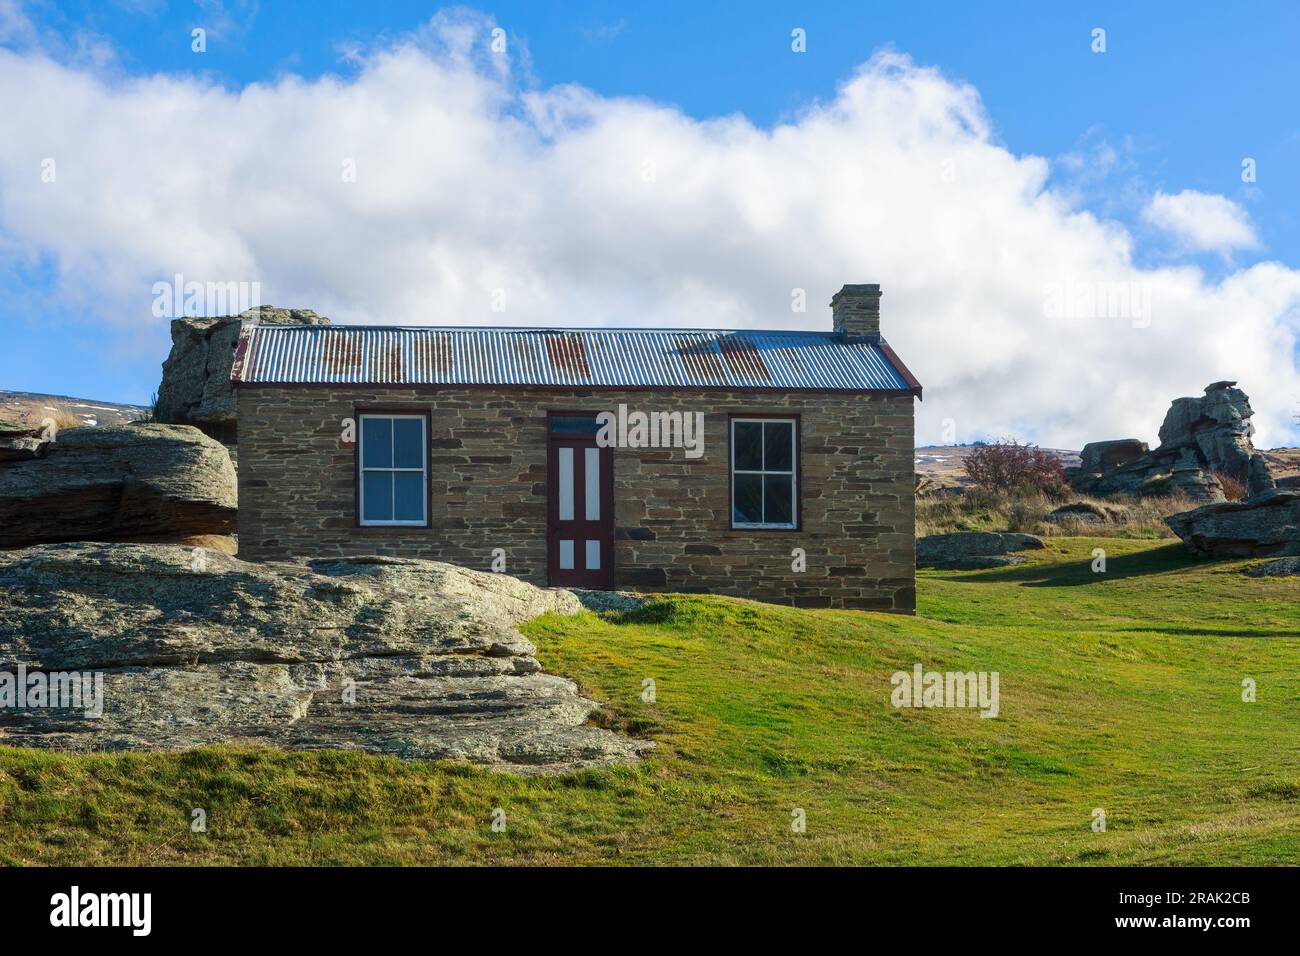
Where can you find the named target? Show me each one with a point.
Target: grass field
(1120, 691)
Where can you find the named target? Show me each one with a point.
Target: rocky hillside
(411, 658)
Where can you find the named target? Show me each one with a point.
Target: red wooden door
(579, 512)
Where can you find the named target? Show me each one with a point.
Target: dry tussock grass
(65, 421)
(981, 509)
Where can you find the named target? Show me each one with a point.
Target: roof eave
(913, 386)
(580, 387)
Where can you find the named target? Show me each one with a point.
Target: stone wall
(672, 527)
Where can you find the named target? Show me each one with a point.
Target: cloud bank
(431, 184)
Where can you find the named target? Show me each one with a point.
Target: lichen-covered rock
(1217, 425)
(118, 482)
(1088, 513)
(1263, 526)
(1188, 479)
(18, 442)
(1103, 456)
(971, 550)
(412, 658)
(1279, 568)
(195, 388)
(1259, 480)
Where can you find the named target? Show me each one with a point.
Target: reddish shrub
(1011, 466)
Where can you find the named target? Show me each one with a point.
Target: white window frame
(793, 524)
(423, 472)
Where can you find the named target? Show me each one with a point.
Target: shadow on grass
(1173, 557)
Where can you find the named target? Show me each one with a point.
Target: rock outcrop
(1265, 525)
(1217, 425)
(195, 387)
(118, 482)
(1200, 439)
(416, 659)
(972, 550)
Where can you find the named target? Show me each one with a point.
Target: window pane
(408, 443)
(778, 446)
(593, 555)
(566, 555)
(748, 452)
(592, 505)
(376, 443)
(376, 496)
(566, 484)
(573, 425)
(747, 506)
(408, 496)
(778, 500)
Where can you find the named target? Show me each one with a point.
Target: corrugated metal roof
(600, 358)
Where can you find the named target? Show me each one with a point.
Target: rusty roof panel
(700, 357)
(602, 358)
(567, 354)
(743, 358)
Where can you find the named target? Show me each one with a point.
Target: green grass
(1119, 690)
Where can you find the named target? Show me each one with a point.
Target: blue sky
(1183, 93)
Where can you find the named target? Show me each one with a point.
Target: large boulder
(1263, 526)
(972, 550)
(118, 482)
(417, 659)
(1103, 456)
(1185, 477)
(195, 388)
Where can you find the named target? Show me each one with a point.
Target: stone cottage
(769, 464)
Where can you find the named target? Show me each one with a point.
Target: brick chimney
(855, 311)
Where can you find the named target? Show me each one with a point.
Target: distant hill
(30, 407)
(1283, 462)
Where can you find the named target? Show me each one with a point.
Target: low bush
(1009, 466)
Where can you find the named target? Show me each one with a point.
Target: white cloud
(1020, 314)
(15, 26)
(1203, 222)
(226, 21)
